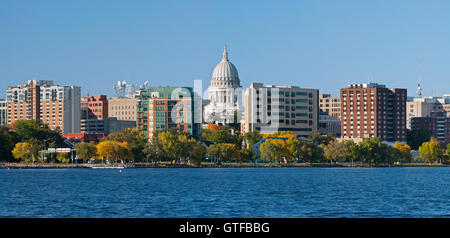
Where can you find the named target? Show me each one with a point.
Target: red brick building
(372, 110)
(96, 106)
(84, 137)
(437, 124)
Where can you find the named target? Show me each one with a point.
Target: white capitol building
(224, 94)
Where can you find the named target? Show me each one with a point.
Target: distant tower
(419, 88)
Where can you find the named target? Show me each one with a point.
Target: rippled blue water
(215, 192)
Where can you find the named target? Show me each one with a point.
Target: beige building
(422, 107)
(122, 108)
(330, 105)
(270, 109)
(57, 106)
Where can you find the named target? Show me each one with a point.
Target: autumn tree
(404, 151)
(282, 152)
(122, 151)
(430, 151)
(105, 150)
(63, 157)
(135, 138)
(23, 151)
(224, 151)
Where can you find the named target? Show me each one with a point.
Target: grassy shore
(210, 165)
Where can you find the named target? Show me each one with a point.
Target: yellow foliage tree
(122, 151)
(404, 151)
(281, 134)
(114, 151)
(105, 150)
(23, 151)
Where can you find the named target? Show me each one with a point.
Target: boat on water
(108, 167)
(112, 166)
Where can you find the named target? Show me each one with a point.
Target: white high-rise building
(224, 94)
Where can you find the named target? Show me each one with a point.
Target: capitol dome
(225, 74)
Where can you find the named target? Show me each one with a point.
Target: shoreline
(183, 166)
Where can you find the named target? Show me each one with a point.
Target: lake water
(230, 192)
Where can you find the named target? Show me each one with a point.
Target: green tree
(374, 152)
(309, 152)
(153, 151)
(135, 138)
(197, 153)
(224, 152)
(222, 135)
(248, 154)
(335, 151)
(415, 138)
(63, 157)
(270, 152)
(170, 145)
(216, 151)
(35, 129)
(7, 142)
(252, 137)
(85, 150)
(403, 152)
(322, 139)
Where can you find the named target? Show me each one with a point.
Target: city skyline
(311, 45)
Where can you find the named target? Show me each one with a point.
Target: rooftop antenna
(419, 88)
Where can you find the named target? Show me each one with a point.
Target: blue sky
(314, 44)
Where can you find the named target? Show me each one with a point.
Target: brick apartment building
(372, 110)
(57, 106)
(437, 124)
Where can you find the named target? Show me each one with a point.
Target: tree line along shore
(211, 165)
(25, 143)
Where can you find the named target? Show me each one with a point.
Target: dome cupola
(225, 74)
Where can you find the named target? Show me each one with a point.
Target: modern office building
(3, 112)
(95, 117)
(163, 108)
(330, 105)
(372, 110)
(270, 109)
(57, 106)
(329, 125)
(437, 123)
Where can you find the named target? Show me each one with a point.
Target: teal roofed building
(163, 108)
